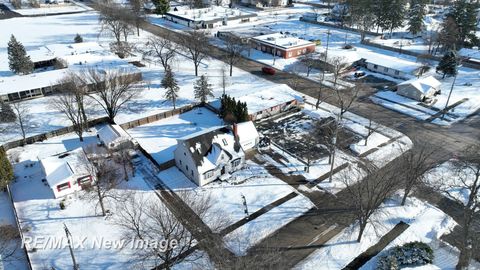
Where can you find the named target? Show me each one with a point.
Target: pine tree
(464, 14)
(7, 114)
(203, 89)
(395, 14)
(18, 60)
(416, 15)
(161, 6)
(6, 169)
(448, 64)
(78, 39)
(170, 84)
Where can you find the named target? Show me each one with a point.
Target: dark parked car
(268, 70)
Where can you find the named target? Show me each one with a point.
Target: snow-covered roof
(394, 63)
(423, 84)
(210, 14)
(282, 40)
(59, 168)
(41, 54)
(206, 147)
(52, 51)
(18, 83)
(260, 99)
(246, 131)
(111, 134)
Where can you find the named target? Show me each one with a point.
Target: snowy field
(44, 10)
(62, 29)
(427, 224)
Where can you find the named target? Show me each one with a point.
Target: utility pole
(326, 54)
(69, 236)
(451, 89)
(245, 206)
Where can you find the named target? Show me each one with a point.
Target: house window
(208, 174)
(397, 72)
(63, 186)
(385, 69)
(84, 180)
(236, 162)
(186, 166)
(375, 66)
(224, 142)
(192, 172)
(185, 154)
(180, 162)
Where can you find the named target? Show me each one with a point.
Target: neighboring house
(114, 137)
(213, 154)
(391, 66)
(266, 101)
(67, 172)
(211, 17)
(74, 58)
(266, 3)
(419, 89)
(282, 45)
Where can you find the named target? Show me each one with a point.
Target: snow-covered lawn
(253, 181)
(40, 214)
(250, 234)
(74, 7)
(427, 224)
(159, 138)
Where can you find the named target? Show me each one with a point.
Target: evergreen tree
(395, 14)
(18, 60)
(448, 64)
(6, 170)
(233, 111)
(78, 39)
(416, 14)
(161, 6)
(464, 14)
(203, 89)
(170, 84)
(7, 114)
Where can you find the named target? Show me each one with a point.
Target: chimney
(235, 130)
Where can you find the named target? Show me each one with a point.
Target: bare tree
(371, 128)
(9, 239)
(337, 65)
(22, 121)
(365, 197)
(66, 102)
(162, 48)
(194, 42)
(462, 185)
(138, 12)
(324, 131)
(310, 61)
(224, 83)
(123, 156)
(148, 219)
(234, 46)
(116, 20)
(106, 180)
(414, 163)
(111, 89)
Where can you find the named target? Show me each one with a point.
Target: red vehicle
(268, 70)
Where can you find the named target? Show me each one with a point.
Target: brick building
(282, 45)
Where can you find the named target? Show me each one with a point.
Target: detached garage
(419, 88)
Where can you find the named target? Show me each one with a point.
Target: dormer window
(224, 142)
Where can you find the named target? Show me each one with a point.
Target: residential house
(419, 88)
(391, 66)
(67, 172)
(213, 154)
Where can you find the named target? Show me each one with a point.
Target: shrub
(410, 254)
(62, 205)
(348, 47)
(78, 39)
(17, 4)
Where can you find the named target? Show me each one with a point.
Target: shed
(419, 88)
(114, 137)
